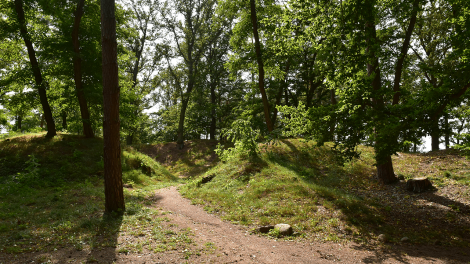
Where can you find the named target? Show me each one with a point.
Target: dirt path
(215, 241)
(235, 245)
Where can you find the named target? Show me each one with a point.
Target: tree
(114, 195)
(259, 59)
(192, 36)
(144, 31)
(40, 83)
(77, 69)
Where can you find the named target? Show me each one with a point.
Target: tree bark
(19, 119)
(213, 114)
(403, 52)
(333, 118)
(77, 72)
(64, 120)
(282, 87)
(40, 84)
(259, 58)
(435, 134)
(385, 173)
(180, 139)
(447, 130)
(114, 196)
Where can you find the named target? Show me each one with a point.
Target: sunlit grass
(52, 196)
(299, 183)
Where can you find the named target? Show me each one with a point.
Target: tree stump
(418, 185)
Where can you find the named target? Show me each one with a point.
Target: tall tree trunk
(310, 92)
(77, 71)
(40, 84)
(42, 121)
(64, 120)
(385, 173)
(114, 195)
(384, 165)
(333, 118)
(180, 140)
(213, 115)
(259, 58)
(435, 134)
(282, 87)
(447, 130)
(129, 139)
(19, 119)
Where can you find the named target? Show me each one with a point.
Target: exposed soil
(216, 241)
(168, 154)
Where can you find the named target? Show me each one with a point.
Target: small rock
(405, 240)
(383, 238)
(284, 229)
(265, 229)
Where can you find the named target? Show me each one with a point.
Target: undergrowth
(299, 183)
(52, 196)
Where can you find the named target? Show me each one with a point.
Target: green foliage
(244, 138)
(295, 120)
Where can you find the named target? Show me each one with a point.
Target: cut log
(206, 179)
(418, 185)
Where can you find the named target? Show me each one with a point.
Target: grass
(194, 159)
(298, 183)
(293, 182)
(52, 196)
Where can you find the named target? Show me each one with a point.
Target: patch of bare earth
(195, 157)
(216, 241)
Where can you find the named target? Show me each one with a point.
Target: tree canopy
(374, 72)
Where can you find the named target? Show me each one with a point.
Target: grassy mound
(52, 195)
(298, 183)
(194, 159)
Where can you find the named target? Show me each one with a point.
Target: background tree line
(382, 73)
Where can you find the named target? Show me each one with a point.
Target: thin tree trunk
(333, 118)
(42, 121)
(64, 120)
(447, 130)
(435, 134)
(403, 52)
(213, 115)
(40, 84)
(180, 139)
(282, 87)
(385, 173)
(19, 119)
(77, 72)
(259, 58)
(129, 139)
(114, 195)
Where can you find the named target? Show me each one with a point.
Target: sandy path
(235, 245)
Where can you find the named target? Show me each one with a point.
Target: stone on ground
(284, 229)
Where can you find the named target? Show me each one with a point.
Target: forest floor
(63, 222)
(211, 240)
